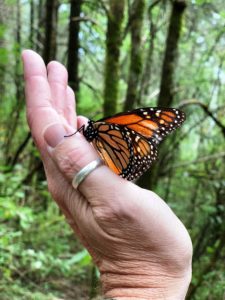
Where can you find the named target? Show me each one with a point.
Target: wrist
(140, 287)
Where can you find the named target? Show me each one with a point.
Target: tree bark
(147, 71)
(31, 24)
(2, 46)
(150, 178)
(73, 45)
(113, 43)
(40, 39)
(17, 107)
(50, 42)
(135, 70)
(169, 63)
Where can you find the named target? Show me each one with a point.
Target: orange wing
(152, 123)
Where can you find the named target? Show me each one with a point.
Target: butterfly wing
(127, 141)
(126, 153)
(153, 123)
(144, 154)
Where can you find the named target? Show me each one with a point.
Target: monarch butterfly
(127, 141)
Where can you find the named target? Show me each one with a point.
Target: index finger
(40, 112)
(36, 84)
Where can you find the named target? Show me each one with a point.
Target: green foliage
(34, 245)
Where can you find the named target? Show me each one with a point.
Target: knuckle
(67, 162)
(72, 155)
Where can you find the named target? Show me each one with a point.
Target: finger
(72, 154)
(40, 112)
(70, 108)
(82, 121)
(36, 84)
(34, 64)
(57, 78)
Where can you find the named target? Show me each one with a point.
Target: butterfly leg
(81, 129)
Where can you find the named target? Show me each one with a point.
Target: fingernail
(54, 134)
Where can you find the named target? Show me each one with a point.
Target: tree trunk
(135, 70)
(169, 63)
(73, 45)
(31, 39)
(17, 107)
(147, 71)
(40, 39)
(50, 42)
(2, 46)
(113, 43)
(150, 178)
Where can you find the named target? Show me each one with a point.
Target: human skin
(141, 248)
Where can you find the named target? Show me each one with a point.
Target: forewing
(152, 123)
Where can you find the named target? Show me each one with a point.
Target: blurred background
(120, 54)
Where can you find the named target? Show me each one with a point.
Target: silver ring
(84, 172)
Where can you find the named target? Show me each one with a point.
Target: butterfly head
(90, 132)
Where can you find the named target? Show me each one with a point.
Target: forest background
(120, 55)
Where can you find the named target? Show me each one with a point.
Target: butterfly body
(127, 141)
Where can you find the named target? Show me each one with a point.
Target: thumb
(73, 153)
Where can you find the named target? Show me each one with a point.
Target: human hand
(141, 248)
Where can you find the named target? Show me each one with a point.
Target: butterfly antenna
(78, 130)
